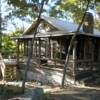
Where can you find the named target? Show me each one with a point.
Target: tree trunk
(0, 28)
(71, 44)
(31, 49)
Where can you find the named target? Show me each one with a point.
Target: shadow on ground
(72, 94)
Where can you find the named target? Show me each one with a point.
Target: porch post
(55, 53)
(60, 49)
(85, 50)
(99, 53)
(74, 58)
(27, 48)
(17, 51)
(36, 48)
(39, 51)
(49, 48)
(24, 48)
(46, 42)
(51, 42)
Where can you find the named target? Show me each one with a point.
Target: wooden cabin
(50, 49)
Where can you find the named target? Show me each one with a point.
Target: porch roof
(55, 34)
(64, 28)
(61, 25)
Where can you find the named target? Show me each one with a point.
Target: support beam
(85, 50)
(60, 49)
(55, 53)
(17, 51)
(27, 48)
(45, 43)
(92, 50)
(49, 48)
(39, 51)
(24, 48)
(74, 57)
(36, 47)
(51, 43)
(31, 47)
(99, 52)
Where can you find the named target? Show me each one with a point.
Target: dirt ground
(75, 94)
(70, 93)
(67, 93)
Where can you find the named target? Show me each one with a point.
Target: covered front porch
(49, 53)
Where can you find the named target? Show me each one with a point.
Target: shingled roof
(61, 25)
(65, 26)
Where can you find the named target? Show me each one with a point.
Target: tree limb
(71, 44)
(31, 50)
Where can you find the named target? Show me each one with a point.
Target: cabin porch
(50, 53)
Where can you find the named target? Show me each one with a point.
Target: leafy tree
(0, 26)
(75, 9)
(17, 32)
(62, 8)
(8, 46)
(24, 8)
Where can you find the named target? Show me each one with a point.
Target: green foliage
(17, 32)
(8, 46)
(23, 8)
(75, 7)
(97, 24)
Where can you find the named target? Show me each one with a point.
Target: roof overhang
(54, 34)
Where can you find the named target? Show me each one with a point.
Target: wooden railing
(86, 65)
(80, 65)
